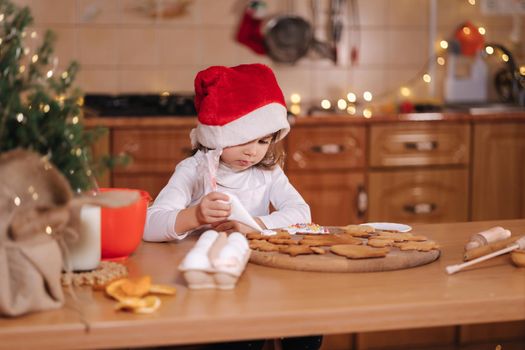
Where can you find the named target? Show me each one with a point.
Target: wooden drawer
(419, 144)
(423, 338)
(497, 332)
(332, 196)
(337, 342)
(152, 150)
(499, 345)
(326, 148)
(498, 178)
(152, 183)
(418, 196)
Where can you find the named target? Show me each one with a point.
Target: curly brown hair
(273, 157)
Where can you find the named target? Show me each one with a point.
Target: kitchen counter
(332, 119)
(270, 302)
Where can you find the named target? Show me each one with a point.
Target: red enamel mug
(122, 228)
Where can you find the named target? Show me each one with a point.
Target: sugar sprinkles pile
(310, 228)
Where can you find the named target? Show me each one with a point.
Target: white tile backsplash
(124, 47)
(98, 46)
(138, 46)
(177, 46)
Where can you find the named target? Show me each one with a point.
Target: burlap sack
(38, 214)
(30, 259)
(30, 276)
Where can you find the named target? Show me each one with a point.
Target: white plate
(389, 226)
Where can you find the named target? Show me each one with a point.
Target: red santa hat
(236, 105)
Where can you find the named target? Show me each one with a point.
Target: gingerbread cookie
(358, 230)
(286, 241)
(420, 246)
(294, 250)
(263, 245)
(329, 240)
(380, 243)
(359, 251)
(257, 235)
(318, 250)
(399, 237)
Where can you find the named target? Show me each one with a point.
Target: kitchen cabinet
(498, 174)
(333, 196)
(422, 338)
(154, 152)
(352, 170)
(418, 195)
(492, 332)
(327, 148)
(152, 183)
(418, 172)
(343, 341)
(419, 144)
(102, 148)
(326, 165)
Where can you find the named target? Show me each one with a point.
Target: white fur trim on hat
(258, 123)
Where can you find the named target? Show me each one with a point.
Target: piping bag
(208, 163)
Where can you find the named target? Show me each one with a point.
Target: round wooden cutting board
(329, 262)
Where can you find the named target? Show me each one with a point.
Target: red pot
(470, 40)
(122, 228)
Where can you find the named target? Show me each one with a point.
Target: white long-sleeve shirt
(256, 189)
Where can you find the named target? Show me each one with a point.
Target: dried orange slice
(151, 304)
(136, 287)
(130, 294)
(114, 289)
(145, 305)
(130, 303)
(162, 289)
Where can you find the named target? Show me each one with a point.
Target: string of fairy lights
(353, 104)
(49, 74)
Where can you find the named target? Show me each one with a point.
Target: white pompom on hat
(236, 105)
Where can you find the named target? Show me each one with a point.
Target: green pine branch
(40, 109)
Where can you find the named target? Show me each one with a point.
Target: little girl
(242, 114)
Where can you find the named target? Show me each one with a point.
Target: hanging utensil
(355, 39)
(340, 39)
(323, 48)
(287, 38)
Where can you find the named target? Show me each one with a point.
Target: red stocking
(249, 32)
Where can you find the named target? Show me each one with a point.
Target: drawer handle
(131, 147)
(420, 208)
(328, 148)
(362, 201)
(422, 145)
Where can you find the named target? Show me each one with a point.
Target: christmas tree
(39, 108)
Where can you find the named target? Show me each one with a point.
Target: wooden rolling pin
(519, 244)
(489, 248)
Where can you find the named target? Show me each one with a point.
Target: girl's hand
(211, 210)
(232, 226)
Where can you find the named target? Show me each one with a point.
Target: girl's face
(243, 156)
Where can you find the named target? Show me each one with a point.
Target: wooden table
(271, 302)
